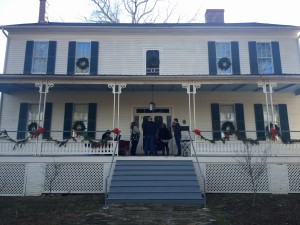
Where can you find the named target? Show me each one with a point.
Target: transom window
(40, 57)
(83, 57)
(264, 58)
(152, 62)
(223, 50)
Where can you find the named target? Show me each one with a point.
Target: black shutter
(92, 120)
(284, 122)
(276, 57)
(47, 120)
(22, 123)
(28, 57)
(253, 57)
(259, 121)
(212, 58)
(94, 58)
(71, 58)
(240, 121)
(235, 54)
(51, 58)
(68, 120)
(215, 119)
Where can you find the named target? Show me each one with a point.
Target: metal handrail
(201, 174)
(110, 169)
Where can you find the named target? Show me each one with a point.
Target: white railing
(51, 148)
(232, 148)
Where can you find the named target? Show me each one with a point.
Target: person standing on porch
(177, 134)
(135, 133)
(164, 135)
(149, 132)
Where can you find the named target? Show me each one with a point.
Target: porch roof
(137, 83)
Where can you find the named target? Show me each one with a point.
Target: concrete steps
(154, 181)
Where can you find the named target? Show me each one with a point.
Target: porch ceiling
(280, 88)
(137, 83)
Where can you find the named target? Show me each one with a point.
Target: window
(227, 114)
(152, 62)
(223, 50)
(264, 58)
(268, 116)
(33, 113)
(80, 113)
(40, 57)
(82, 57)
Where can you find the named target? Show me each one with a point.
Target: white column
(268, 89)
(118, 92)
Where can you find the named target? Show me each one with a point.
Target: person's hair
(163, 125)
(176, 120)
(132, 124)
(149, 118)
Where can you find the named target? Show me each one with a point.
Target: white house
(211, 76)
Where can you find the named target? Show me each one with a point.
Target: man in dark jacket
(177, 135)
(149, 133)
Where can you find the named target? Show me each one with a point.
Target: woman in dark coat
(164, 135)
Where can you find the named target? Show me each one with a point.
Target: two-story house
(212, 76)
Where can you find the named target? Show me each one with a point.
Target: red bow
(116, 131)
(197, 132)
(273, 132)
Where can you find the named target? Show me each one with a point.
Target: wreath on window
(79, 126)
(228, 129)
(34, 129)
(82, 63)
(224, 63)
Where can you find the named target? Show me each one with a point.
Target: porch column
(116, 89)
(192, 89)
(43, 90)
(268, 89)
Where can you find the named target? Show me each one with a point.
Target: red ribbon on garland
(273, 132)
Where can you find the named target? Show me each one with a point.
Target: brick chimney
(214, 16)
(43, 17)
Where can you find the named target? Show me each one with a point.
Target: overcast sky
(261, 11)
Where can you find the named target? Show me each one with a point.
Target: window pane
(40, 57)
(33, 113)
(268, 116)
(152, 62)
(264, 58)
(83, 50)
(223, 49)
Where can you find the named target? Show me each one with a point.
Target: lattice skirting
(18, 179)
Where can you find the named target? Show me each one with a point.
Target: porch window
(40, 57)
(152, 62)
(223, 51)
(264, 58)
(82, 57)
(80, 113)
(33, 113)
(227, 114)
(269, 116)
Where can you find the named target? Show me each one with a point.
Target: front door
(158, 119)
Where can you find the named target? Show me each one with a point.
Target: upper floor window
(223, 57)
(40, 57)
(82, 57)
(264, 58)
(152, 62)
(80, 113)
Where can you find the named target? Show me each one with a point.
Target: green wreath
(82, 63)
(224, 63)
(32, 128)
(229, 125)
(79, 126)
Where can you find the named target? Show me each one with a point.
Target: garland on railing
(94, 144)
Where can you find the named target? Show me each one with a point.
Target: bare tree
(253, 161)
(139, 11)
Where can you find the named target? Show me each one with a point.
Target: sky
(261, 11)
